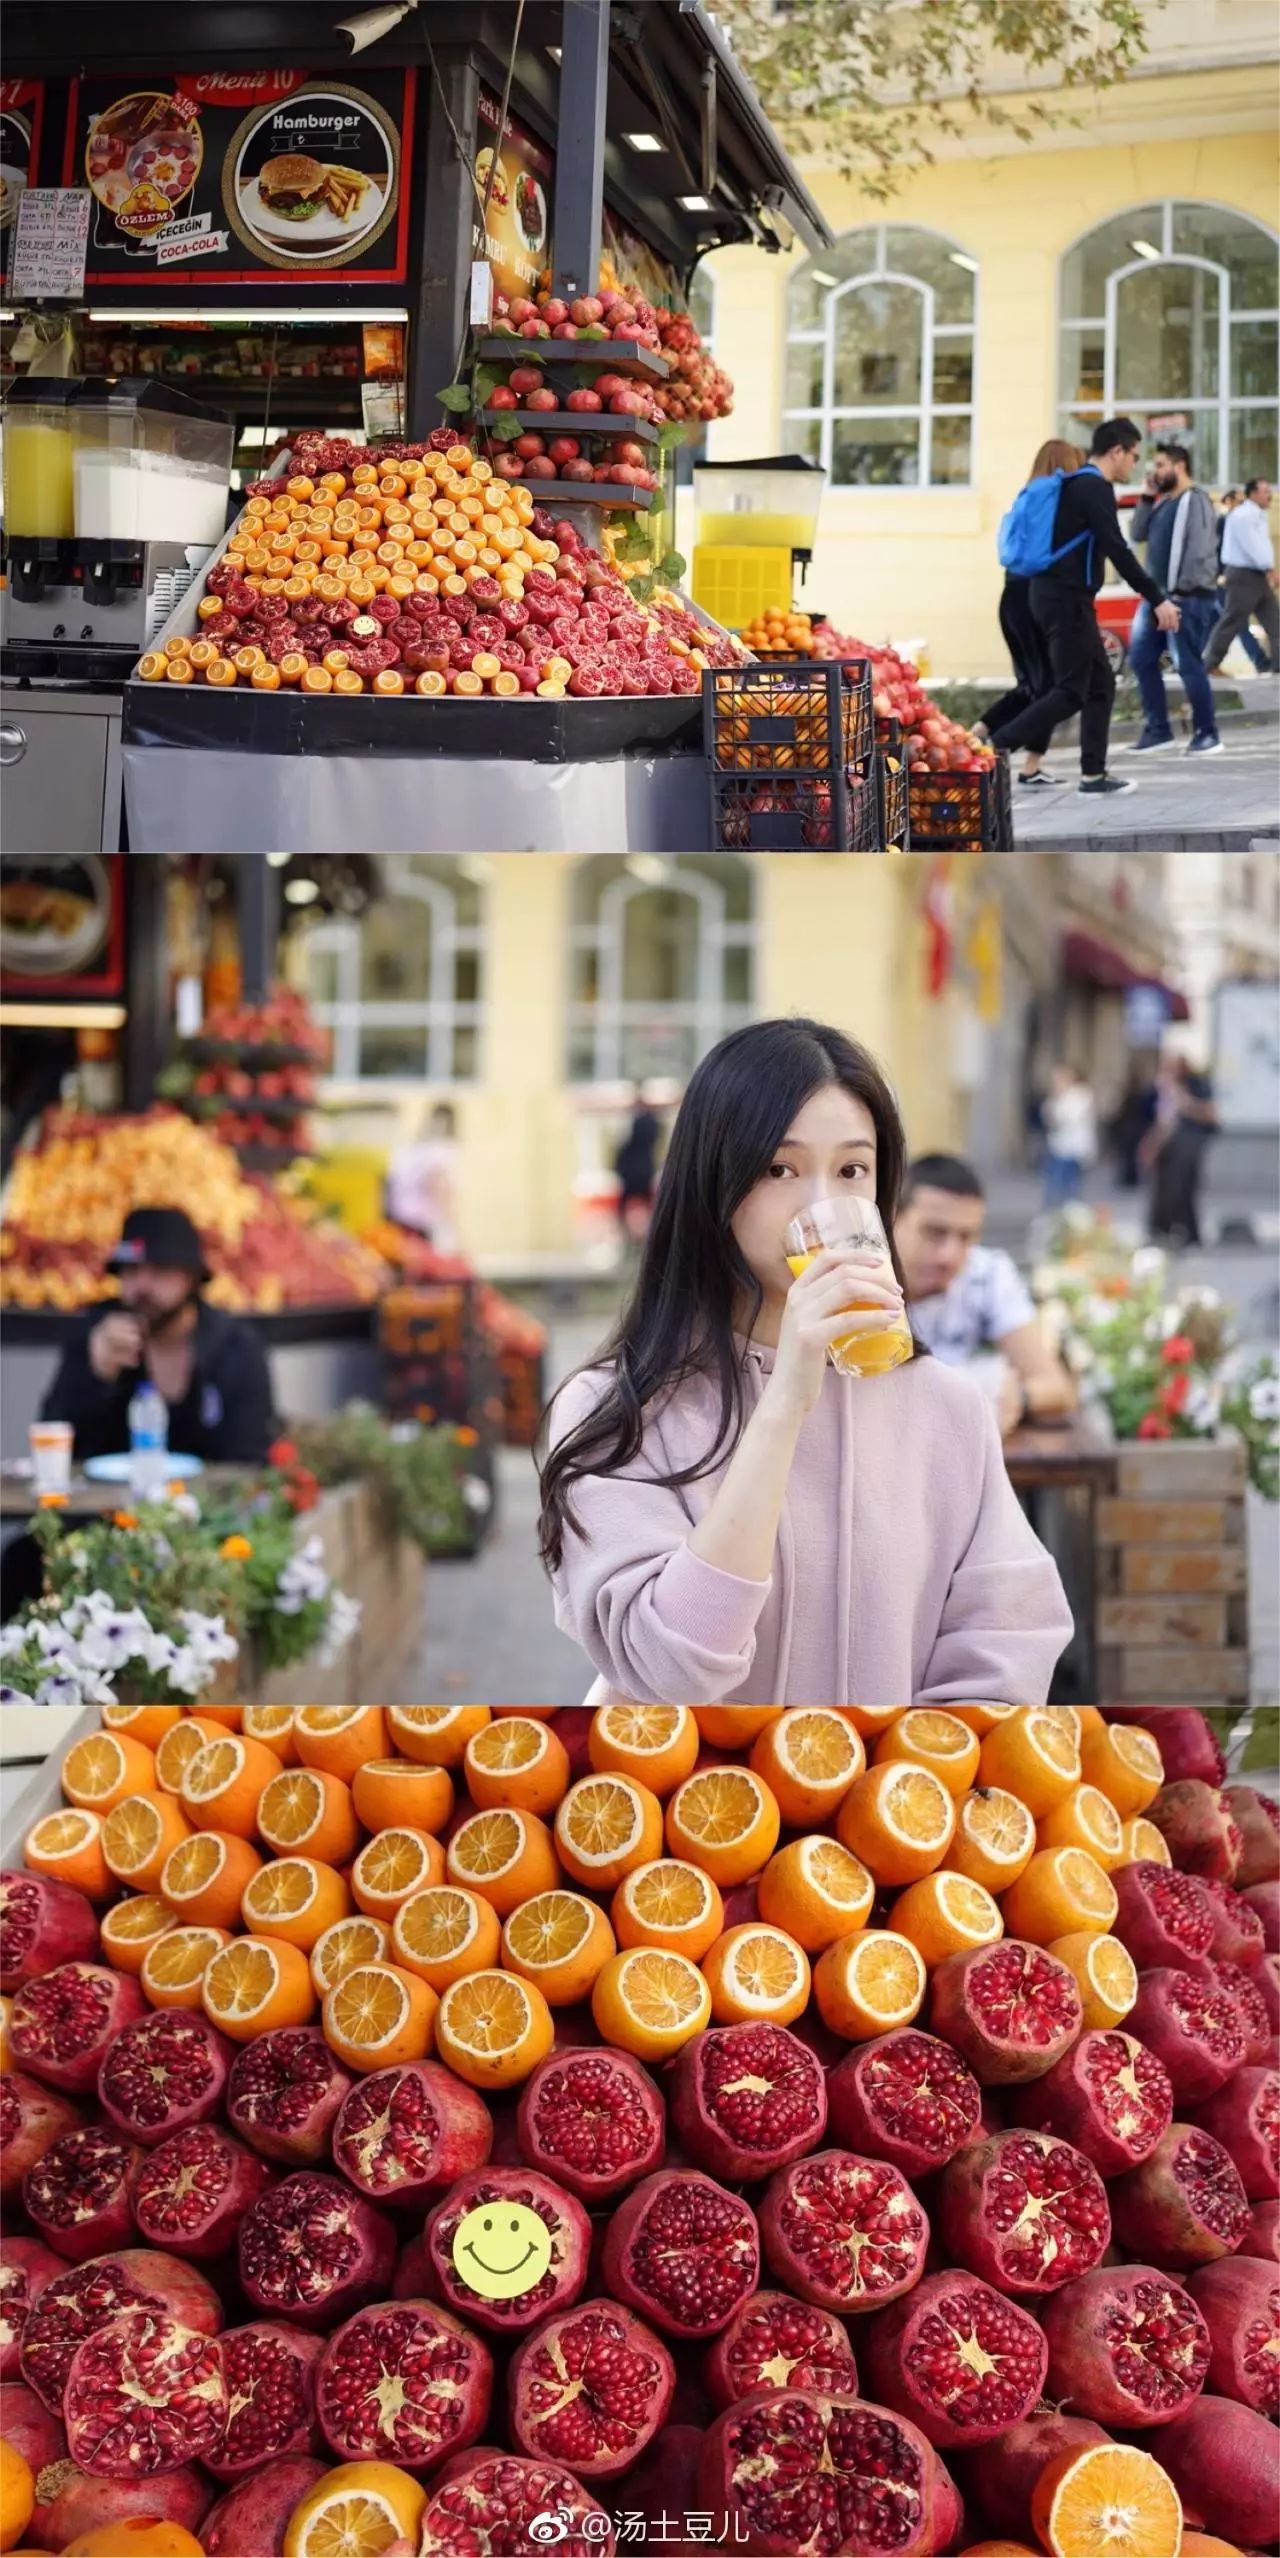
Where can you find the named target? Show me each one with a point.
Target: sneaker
(1039, 781)
(1103, 786)
(1153, 741)
(1204, 746)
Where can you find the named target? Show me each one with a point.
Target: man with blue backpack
(1059, 534)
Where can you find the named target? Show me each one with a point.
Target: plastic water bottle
(148, 1442)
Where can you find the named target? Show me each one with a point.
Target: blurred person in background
(1249, 568)
(1249, 641)
(422, 1180)
(1130, 1126)
(1020, 631)
(1070, 1135)
(969, 1300)
(636, 1165)
(1186, 1124)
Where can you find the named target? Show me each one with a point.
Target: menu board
(62, 925)
(517, 233)
(629, 265)
(46, 262)
(21, 116)
(230, 177)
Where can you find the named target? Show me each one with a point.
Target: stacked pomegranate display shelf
(855, 2293)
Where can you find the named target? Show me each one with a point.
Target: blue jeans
(1186, 647)
(1062, 1179)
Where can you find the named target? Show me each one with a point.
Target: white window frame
(932, 330)
(710, 1013)
(439, 1014)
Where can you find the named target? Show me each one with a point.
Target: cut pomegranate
(905, 2097)
(1127, 2346)
(70, 2503)
(683, 2252)
(1161, 1916)
(166, 2071)
(26, 2265)
(1258, 1822)
(1267, 1977)
(591, 2387)
(284, 2093)
(79, 2193)
(1225, 2463)
(32, 2118)
(43, 1923)
(493, 2505)
(1237, 1929)
(271, 2397)
(193, 2192)
(746, 2100)
(403, 2134)
(1195, 1822)
(405, 2382)
(255, 2516)
(1025, 2211)
(1245, 2116)
(27, 2424)
(492, 2190)
(1011, 2010)
(1192, 2026)
(797, 2471)
(774, 2342)
(144, 2394)
(1239, 2301)
(957, 2359)
(592, 2120)
(1184, 2205)
(1250, 1989)
(1001, 2489)
(1108, 2095)
(843, 2232)
(64, 2024)
(84, 2298)
(311, 2251)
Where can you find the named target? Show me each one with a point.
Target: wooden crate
(1172, 1576)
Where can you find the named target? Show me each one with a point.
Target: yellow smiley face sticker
(502, 2250)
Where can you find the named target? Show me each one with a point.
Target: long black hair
(679, 1320)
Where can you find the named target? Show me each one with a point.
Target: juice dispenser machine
(756, 522)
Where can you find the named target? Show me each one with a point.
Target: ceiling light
(276, 861)
(818, 275)
(645, 141)
(958, 258)
(62, 1016)
(368, 25)
(695, 203)
(1144, 249)
(554, 51)
(649, 868)
(300, 892)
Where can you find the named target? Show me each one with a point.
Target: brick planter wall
(1172, 1576)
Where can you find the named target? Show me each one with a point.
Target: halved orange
(138, 1835)
(377, 2017)
(1123, 1760)
(505, 1856)
(980, 1718)
(177, 1747)
(254, 1984)
(99, 1770)
(436, 1734)
(340, 1738)
(1087, 1819)
(726, 1820)
(869, 1983)
(651, 2002)
(809, 1759)
(229, 1716)
(733, 1727)
(295, 1898)
(670, 1904)
(1141, 1840)
(274, 1725)
(1064, 1891)
(756, 1971)
(657, 1743)
(147, 1723)
(995, 1837)
(392, 1866)
(444, 1932)
(173, 1968)
(816, 1890)
(899, 1820)
(1105, 1974)
(348, 1942)
(1106, 2500)
(870, 1720)
(493, 2028)
(946, 1913)
(203, 1878)
(69, 1845)
(605, 1827)
(358, 2510)
(517, 1762)
(562, 1941)
(387, 1791)
(225, 1781)
(932, 1739)
(1036, 1754)
(133, 1925)
(309, 1811)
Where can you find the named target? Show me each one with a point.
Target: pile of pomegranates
(696, 390)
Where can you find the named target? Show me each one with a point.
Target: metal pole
(258, 910)
(584, 92)
(448, 217)
(146, 1032)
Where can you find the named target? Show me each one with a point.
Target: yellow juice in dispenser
(38, 499)
(863, 1354)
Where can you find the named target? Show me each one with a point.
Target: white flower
(66, 1691)
(477, 1495)
(1208, 1298)
(208, 1636)
(1148, 1262)
(14, 1696)
(1097, 1310)
(1079, 1357)
(1104, 1376)
(184, 1505)
(401, 1433)
(344, 1619)
(13, 1638)
(1264, 1399)
(303, 1579)
(185, 1671)
(109, 1641)
(1201, 1409)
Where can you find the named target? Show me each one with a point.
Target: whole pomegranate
(1108, 2095)
(254, 2516)
(1127, 2346)
(311, 2250)
(401, 2135)
(1258, 1822)
(1011, 2010)
(79, 2194)
(593, 2121)
(26, 2422)
(191, 2194)
(271, 2398)
(162, 2073)
(1193, 2027)
(284, 2094)
(69, 2502)
(795, 2470)
(904, 2097)
(775, 2342)
(1261, 2236)
(683, 2251)
(144, 2394)
(746, 2100)
(32, 2118)
(1000, 2489)
(843, 2232)
(491, 2502)
(64, 2023)
(1239, 2301)
(26, 2265)
(962, 2362)
(1225, 2463)
(403, 2381)
(590, 2387)
(1245, 2116)
(1164, 1918)
(1195, 1822)
(43, 1923)
(1024, 2210)
(1184, 2205)
(83, 2298)
(489, 2191)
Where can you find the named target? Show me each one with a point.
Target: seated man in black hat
(210, 1367)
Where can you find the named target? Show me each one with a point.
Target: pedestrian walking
(636, 1167)
(1131, 1126)
(1020, 631)
(421, 1190)
(1175, 518)
(1249, 561)
(1179, 1145)
(1249, 640)
(1065, 559)
(1071, 1135)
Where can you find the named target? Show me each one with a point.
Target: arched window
(662, 963)
(880, 340)
(1168, 314)
(402, 987)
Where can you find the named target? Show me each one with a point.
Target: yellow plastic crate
(735, 585)
(348, 1181)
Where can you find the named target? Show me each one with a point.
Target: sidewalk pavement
(1214, 803)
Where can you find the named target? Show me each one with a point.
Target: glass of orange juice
(851, 1224)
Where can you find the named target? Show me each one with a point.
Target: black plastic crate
(780, 812)
(864, 811)
(787, 715)
(961, 812)
(891, 787)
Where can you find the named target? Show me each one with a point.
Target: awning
(1087, 961)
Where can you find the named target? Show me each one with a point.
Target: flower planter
(1172, 1575)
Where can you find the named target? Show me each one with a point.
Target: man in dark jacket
(1176, 521)
(1086, 535)
(210, 1367)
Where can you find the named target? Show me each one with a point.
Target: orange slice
(756, 1971)
(1035, 1752)
(295, 1898)
(225, 1781)
(133, 1925)
(930, 1739)
(1087, 1819)
(733, 1727)
(899, 1819)
(391, 1867)
(339, 1738)
(177, 1747)
(203, 1878)
(869, 1983)
(493, 2029)
(657, 1743)
(147, 1723)
(1063, 1891)
(995, 1838)
(173, 1969)
(669, 1904)
(727, 1821)
(360, 2510)
(445, 1932)
(377, 2017)
(436, 1734)
(560, 1940)
(348, 1942)
(1107, 2501)
(98, 1771)
(1105, 1974)
(69, 1845)
(651, 2002)
(605, 1827)
(387, 1791)
(944, 1914)
(517, 1762)
(870, 1720)
(809, 1759)
(254, 1984)
(1123, 1760)
(309, 1810)
(138, 1836)
(981, 1718)
(1141, 1839)
(816, 1890)
(274, 1725)
(505, 1856)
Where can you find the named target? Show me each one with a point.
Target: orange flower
(235, 1549)
(52, 1501)
(467, 1438)
(124, 1518)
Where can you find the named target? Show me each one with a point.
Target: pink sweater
(904, 1570)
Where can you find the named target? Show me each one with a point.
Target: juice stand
(755, 527)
